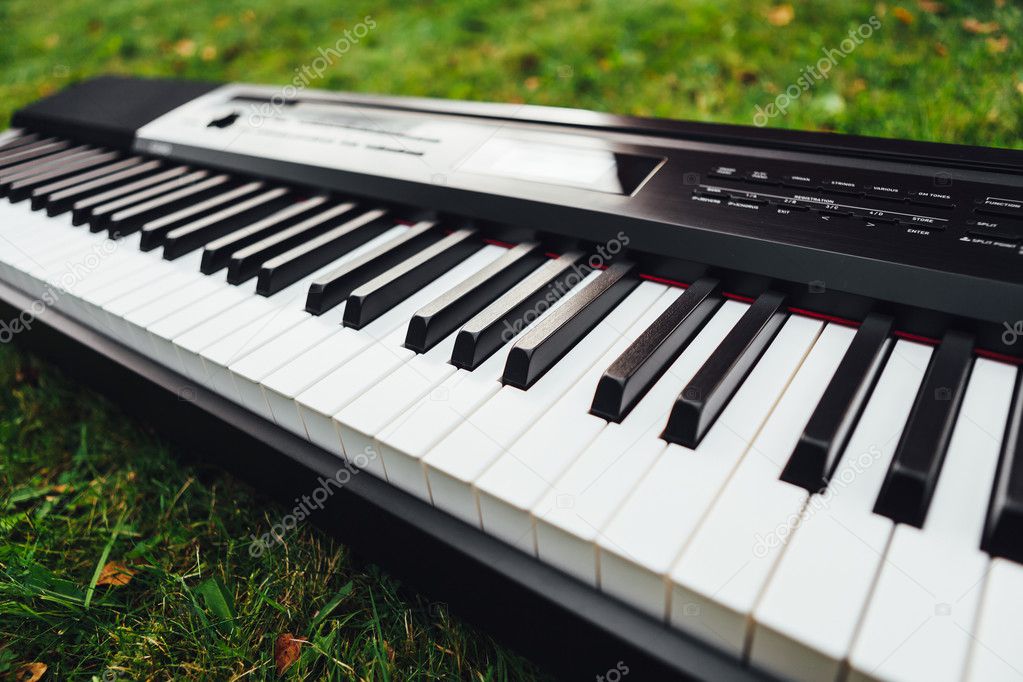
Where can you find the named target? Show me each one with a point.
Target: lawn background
(81, 484)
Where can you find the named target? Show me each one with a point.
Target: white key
(640, 544)
(919, 621)
(996, 653)
(528, 468)
(404, 443)
(211, 318)
(716, 581)
(454, 464)
(806, 619)
(579, 505)
(318, 404)
(360, 421)
(251, 370)
(388, 401)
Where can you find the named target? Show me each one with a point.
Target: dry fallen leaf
(940, 50)
(781, 15)
(29, 672)
(997, 45)
(286, 650)
(903, 15)
(984, 27)
(930, 6)
(115, 573)
(185, 47)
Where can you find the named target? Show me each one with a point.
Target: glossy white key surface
(528, 468)
(722, 571)
(996, 653)
(570, 516)
(807, 616)
(403, 444)
(919, 622)
(454, 464)
(320, 402)
(639, 545)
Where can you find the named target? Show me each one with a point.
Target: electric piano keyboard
(701, 400)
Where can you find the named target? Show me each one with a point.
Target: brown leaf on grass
(115, 573)
(286, 650)
(930, 6)
(982, 27)
(26, 375)
(29, 672)
(998, 45)
(185, 47)
(940, 50)
(781, 15)
(904, 15)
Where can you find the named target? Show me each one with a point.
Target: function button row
(848, 187)
(1000, 207)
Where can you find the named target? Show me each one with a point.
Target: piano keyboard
(817, 497)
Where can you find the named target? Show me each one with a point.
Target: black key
(82, 208)
(374, 298)
(158, 216)
(245, 263)
(1003, 534)
(824, 438)
(82, 182)
(235, 216)
(22, 189)
(334, 287)
(629, 377)
(217, 254)
(305, 259)
(18, 141)
(537, 350)
(40, 165)
(913, 474)
(99, 216)
(32, 151)
(434, 321)
(507, 316)
(703, 398)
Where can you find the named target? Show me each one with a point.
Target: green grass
(80, 483)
